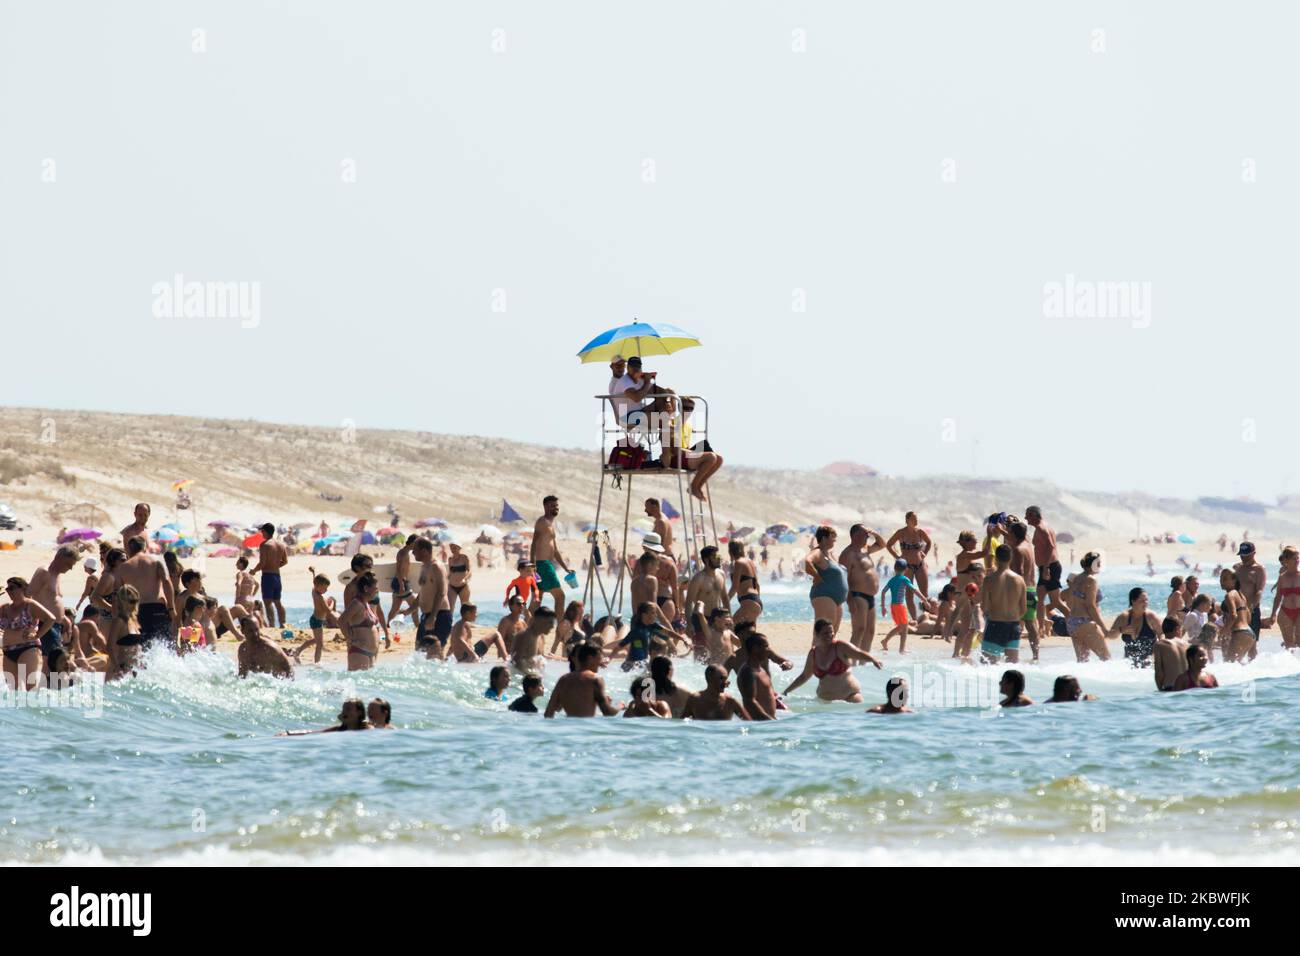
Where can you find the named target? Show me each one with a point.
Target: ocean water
(181, 765)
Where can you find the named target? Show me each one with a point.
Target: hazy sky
(913, 175)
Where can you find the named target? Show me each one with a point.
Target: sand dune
(251, 471)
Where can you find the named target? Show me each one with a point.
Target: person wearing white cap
(92, 581)
(644, 585)
(669, 597)
(617, 369)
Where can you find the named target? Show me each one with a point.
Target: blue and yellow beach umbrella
(639, 338)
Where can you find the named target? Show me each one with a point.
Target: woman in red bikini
(1287, 599)
(829, 661)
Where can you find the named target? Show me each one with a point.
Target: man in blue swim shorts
(272, 555)
(1005, 605)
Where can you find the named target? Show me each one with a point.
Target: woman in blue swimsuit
(830, 581)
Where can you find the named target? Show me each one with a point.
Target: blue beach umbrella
(1186, 539)
(322, 544)
(639, 338)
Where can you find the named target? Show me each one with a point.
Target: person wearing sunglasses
(23, 623)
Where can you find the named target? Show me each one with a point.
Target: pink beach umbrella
(79, 534)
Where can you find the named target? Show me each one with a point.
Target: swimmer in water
(753, 681)
(1170, 654)
(581, 691)
(1138, 626)
(1012, 688)
(644, 703)
(352, 716)
(1196, 675)
(665, 688)
(830, 660)
(1066, 690)
(380, 714)
(533, 689)
(896, 694)
(713, 703)
(257, 655)
(462, 647)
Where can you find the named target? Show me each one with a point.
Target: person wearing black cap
(630, 393)
(1253, 578)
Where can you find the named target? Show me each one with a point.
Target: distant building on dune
(850, 469)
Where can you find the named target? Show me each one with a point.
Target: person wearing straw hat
(644, 585)
(665, 570)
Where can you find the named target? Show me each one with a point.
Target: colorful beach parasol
(639, 338)
(253, 540)
(79, 534)
(182, 484)
(166, 534)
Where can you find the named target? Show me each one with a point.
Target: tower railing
(642, 435)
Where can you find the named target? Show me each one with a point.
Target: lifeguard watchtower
(649, 446)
